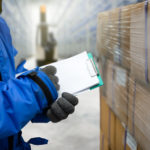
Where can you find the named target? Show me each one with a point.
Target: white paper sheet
(75, 74)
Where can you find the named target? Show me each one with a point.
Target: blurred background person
(46, 42)
(50, 48)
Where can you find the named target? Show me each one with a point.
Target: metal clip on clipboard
(91, 68)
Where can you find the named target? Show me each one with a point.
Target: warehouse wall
(19, 22)
(77, 29)
(75, 23)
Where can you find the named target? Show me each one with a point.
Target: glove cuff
(43, 86)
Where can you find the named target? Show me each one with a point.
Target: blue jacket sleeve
(20, 100)
(40, 117)
(20, 68)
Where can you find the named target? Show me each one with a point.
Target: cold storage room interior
(113, 116)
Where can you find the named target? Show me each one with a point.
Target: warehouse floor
(79, 132)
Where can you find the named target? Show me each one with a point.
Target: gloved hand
(50, 71)
(61, 108)
(65, 105)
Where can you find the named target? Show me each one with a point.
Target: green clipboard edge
(99, 77)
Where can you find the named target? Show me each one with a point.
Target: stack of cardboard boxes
(123, 41)
(140, 42)
(114, 134)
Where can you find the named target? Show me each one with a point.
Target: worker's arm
(20, 100)
(60, 109)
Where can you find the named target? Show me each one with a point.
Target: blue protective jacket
(21, 99)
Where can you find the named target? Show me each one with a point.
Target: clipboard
(96, 70)
(78, 73)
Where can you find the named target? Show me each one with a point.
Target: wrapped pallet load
(117, 90)
(113, 38)
(139, 113)
(123, 42)
(124, 34)
(140, 42)
(102, 35)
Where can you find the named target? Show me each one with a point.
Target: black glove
(61, 108)
(50, 71)
(65, 105)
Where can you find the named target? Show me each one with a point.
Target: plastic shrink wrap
(123, 42)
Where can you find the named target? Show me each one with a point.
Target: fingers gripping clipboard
(78, 73)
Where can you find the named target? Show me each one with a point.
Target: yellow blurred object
(43, 8)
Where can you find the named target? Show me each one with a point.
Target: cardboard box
(142, 139)
(139, 148)
(113, 38)
(121, 93)
(120, 132)
(113, 35)
(139, 109)
(108, 32)
(121, 47)
(131, 105)
(112, 131)
(103, 72)
(148, 41)
(124, 140)
(140, 59)
(122, 38)
(117, 90)
(130, 141)
(104, 117)
(124, 28)
(108, 123)
(102, 33)
(124, 51)
(103, 142)
(109, 83)
(139, 112)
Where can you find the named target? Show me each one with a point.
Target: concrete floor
(79, 132)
